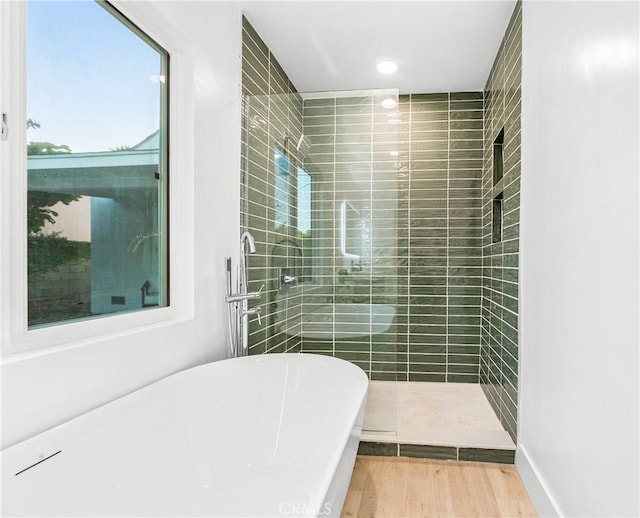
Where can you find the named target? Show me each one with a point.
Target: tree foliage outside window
(48, 252)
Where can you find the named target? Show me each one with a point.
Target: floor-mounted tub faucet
(239, 311)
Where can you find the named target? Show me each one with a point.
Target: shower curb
(432, 451)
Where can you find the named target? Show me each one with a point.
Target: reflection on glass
(351, 232)
(304, 194)
(282, 194)
(304, 201)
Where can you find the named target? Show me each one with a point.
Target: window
(97, 164)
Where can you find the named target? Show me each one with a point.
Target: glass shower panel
(353, 160)
(272, 127)
(320, 194)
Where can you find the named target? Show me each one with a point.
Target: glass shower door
(320, 189)
(354, 163)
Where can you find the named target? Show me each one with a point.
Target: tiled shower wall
(354, 159)
(441, 142)
(272, 110)
(423, 173)
(455, 291)
(499, 350)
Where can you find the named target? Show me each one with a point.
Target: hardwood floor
(403, 487)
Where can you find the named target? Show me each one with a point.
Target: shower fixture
(239, 310)
(303, 145)
(247, 239)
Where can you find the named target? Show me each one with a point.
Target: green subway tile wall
(354, 166)
(499, 345)
(419, 167)
(413, 174)
(442, 143)
(272, 109)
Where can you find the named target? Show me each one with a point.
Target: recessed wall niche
(498, 173)
(497, 218)
(498, 157)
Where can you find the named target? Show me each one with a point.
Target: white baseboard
(537, 489)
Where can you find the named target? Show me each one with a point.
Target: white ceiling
(335, 45)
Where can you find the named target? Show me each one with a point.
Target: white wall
(42, 390)
(579, 406)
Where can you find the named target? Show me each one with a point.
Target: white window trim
(17, 341)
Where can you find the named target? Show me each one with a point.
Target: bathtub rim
(168, 376)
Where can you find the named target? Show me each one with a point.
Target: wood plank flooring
(398, 487)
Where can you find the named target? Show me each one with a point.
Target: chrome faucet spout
(247, 239)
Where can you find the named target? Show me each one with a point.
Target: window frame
(16, 337)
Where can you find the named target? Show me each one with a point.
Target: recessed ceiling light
(387, 67)
(389, 103)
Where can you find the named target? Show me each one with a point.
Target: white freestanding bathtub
(268, 435)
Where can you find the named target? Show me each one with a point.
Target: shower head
(303, 146)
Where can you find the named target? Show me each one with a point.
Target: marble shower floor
(439, 414)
